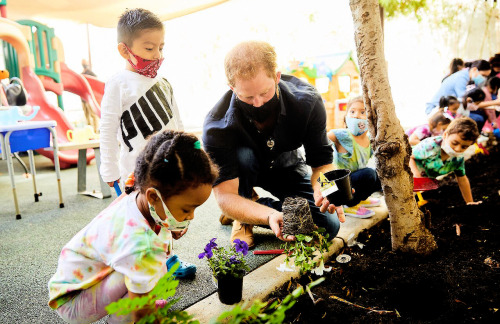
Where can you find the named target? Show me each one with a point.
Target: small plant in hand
(226, 261)
(307, 251)
(311, 241)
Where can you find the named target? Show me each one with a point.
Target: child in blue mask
(440, 155)
(352, 151)
(126, 249)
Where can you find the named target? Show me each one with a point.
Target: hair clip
(165, 160)
(197, 145)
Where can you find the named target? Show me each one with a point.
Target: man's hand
(276, 224)
(325, 205)
(178, 234)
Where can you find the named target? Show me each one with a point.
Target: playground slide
(77, 84)
(97, 87)
(36, 97)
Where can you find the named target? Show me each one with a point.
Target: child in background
(352, 151)
(122, 252)
(436, 126)
(440, 155)
(471, 101)
(491, 91)
(451, 107)
(136, 102)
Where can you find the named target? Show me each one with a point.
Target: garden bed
(455, 284)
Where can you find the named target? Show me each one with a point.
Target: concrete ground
(29, 248)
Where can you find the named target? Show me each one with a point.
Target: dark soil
(453, 285)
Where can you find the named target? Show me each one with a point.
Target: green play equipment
(42, 50)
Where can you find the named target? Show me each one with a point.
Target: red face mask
(144, 67)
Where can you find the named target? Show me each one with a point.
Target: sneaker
(185, 269)
(244, 232)
(370, 202)
(358, 212)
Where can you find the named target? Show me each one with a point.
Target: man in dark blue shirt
(254, 134)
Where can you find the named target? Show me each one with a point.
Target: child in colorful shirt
(436, 126)
(352, 151)
(440, 155)
(123, 251)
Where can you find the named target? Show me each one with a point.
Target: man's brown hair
(246, 59)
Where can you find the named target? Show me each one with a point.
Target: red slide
(97, 87)
(36, 97)
(77, 84)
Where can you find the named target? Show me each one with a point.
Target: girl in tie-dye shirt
(440, 155)
(123, 251)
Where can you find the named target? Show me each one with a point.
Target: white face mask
(170, 222)
(449, 150)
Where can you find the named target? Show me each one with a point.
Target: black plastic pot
(230, 289)
(343, 181)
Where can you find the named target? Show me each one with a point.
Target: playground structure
(337, 78)
(36, 56)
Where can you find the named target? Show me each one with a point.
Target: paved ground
(29, 248)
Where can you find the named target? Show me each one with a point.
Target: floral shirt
(422, 131)
(118, 239)
(427, 156)
(356, 156)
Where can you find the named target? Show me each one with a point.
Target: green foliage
(164, 289)
(305, 249)
(394, 8)
(261, 312)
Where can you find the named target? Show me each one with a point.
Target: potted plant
(228, 268)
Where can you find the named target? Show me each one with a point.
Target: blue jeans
(365, 182)
(479, 117)
(281, 183)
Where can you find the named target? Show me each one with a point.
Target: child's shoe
(358, 211)
(185, 269)
(370, 202)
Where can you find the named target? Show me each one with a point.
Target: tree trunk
(390, 144)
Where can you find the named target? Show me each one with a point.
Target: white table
(82, 147)
(29, 136)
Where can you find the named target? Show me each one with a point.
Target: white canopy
(102, 13)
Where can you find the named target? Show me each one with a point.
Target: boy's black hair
(132, 21)
(495, 60)
(476, 94)
(481, 65)
(465, 127)
(446, 101)
(172, 162)
(494, 84)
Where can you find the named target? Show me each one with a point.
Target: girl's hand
(178, 234)
(475, 202)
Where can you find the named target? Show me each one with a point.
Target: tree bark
(389, 142)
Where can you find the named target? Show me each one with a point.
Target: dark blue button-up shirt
(301, 121)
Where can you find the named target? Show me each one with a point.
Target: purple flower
(233, 260)
(241, 246)
(208, 249)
